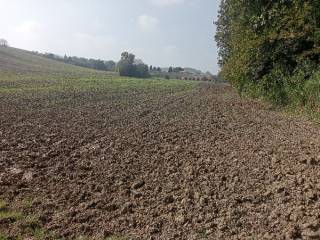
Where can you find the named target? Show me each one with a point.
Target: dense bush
(128, 67)
(271, 48)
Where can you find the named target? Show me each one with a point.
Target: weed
(27, 203)
(202, 234)
(39, 234)
(3, 237)
(3, 205)
(116, 238)
(10, 215)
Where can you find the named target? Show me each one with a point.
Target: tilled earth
(192, 165)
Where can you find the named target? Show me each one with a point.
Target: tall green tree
(127, 67)
(263, 44)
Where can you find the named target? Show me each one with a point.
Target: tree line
(271, 49)
(84, 62)
(175, 69)
(127, 66)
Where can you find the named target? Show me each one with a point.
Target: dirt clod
(169, 199)
(138, 185)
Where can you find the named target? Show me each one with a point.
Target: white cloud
(94, 40)
(87, 45)
(28, 27)
(170, 49)
(164, 3)
(26, 31)
(148, 23)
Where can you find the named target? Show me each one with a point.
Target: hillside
(17, 60)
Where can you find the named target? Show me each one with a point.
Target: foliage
(178, 69)
(20, 226)
(271, 48)
(129, 68)
(141, 71)
(175, 69)
(154, 69)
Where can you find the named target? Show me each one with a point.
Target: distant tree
(126, 69)
(66, 58)
(138, 61)
(141, 71)
(127, 66)
(159, 69)
(83, 62)
(110, 65)
(151, 68)
(4, 43)
(170, 70)
(178, 69)
(129, 57)
(97, 64)
(50, 55)
(124, 56)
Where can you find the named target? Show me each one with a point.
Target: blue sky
(161, 32)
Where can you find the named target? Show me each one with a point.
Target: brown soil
(202, 164)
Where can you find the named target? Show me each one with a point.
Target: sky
(160, 32)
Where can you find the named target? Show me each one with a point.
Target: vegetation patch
(15, 226)
(271, 50)
(14, 83)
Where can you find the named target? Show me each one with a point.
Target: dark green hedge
(271, 49)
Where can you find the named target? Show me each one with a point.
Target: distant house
(186, 74)
(197, 77)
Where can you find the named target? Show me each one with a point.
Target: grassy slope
(20, 61)
(21, 71)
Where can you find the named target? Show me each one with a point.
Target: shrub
(271, 49)
(312, 91)
(128, 68)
